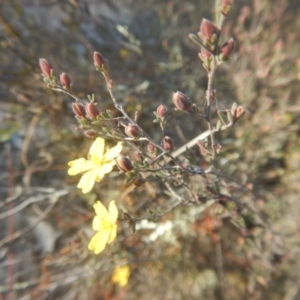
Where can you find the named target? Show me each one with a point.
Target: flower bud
(132, 131)
(168, 143)
(92, 110)
(90, 133)
(45, 67)
(161, 111)
(209, 31)
(99, 60)
(78, 109)
(124, 164)
(205, 54)
(151, 148)
(226, 6)
(239, 112)
(138, 180)
(65, 80)
(227, 49)
(181, 101)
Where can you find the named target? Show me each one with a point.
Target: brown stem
(209, 99)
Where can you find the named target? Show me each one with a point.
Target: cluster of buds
(90, 110)
(49, 78)
(209, 35)
(230, 116)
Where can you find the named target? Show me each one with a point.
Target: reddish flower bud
(168, 143)
(226, 6)
(90, 133)
(45, 67)
(78, 109)
(124, 164)
(99, 60)
(132, 131)
(161, 111)
(65, 80)
(181, 101)
(239, 112)
(208, 30)
(227, 49)
(151, 148)
(92, 110)
(205, 53)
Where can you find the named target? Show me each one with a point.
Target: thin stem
(209, 99)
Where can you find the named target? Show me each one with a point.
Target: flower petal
(99, 241)
(112, 234)
(78, 166)
(87, 181)
(106, 168)
(97, 150)
(97, 223)
(113, 211)
(113, 152)
(121, 275)
(101, 211)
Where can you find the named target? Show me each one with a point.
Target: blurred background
(190, 253)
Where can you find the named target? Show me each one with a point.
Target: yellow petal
(112, 234)
(97, 148)
(97, 223)
(101, 210)
(78, 166)
(113, 152)
(99, 241)
(113, 211)
(121, 275)
(87, 181)
(105, 169)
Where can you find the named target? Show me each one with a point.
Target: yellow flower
(105, 223)
(96, 166)
(121, 275)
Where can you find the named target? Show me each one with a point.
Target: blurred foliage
(189, 253)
